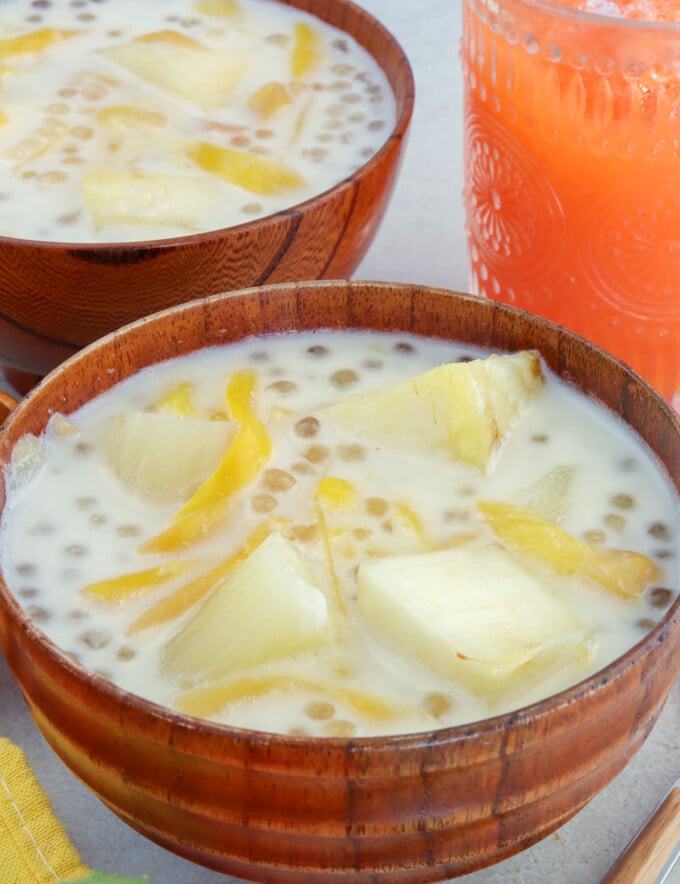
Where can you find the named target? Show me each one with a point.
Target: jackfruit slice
(252, 172)
(307, 50)
(462, 411)
(269, 607)
(623, 572)
(32, 41)
(125, 586)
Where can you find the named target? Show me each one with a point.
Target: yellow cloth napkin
(34, 846)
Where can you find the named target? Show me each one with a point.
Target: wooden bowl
(57, 297)
(408, 808)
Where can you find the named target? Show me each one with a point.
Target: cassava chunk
(270, 606)
(120, 196)
(178, 64)
(462, 410)
(164, 457)
(470, 612)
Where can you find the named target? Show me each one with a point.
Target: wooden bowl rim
(404, 109)
(381, 744)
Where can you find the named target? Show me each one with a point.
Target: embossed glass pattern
(572, 160)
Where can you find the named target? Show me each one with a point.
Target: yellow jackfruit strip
(118, 589)
(336, 492)
(190, 529)
(183, 598)
(178, 401)
(241, 463)
(270, 98)
(254, 173)
(130, 115)
(624, 572)
(207, 701)
(307, 50)
(33, 41)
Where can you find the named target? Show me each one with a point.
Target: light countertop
(422, 241)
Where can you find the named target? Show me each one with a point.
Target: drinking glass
(572, 170)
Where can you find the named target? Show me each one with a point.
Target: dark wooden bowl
(410, 808)
(57, 297)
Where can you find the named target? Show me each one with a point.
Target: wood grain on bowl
(57, 297)
(410, 808)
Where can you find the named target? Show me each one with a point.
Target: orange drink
(572, 169)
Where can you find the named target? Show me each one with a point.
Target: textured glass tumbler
(572, 170)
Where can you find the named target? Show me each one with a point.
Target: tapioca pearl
(628, 465)
(467, 490)
(377, 99)
(33, 19)
(663, 554)
(125, 653)
(83, 133)
(367, 152)
(342, 69)
(659, 596)
(302, 469)
(50, 179)
(114, 33)
(86, 16)
(333, 125)
(41, 529)
(303, 533)
(38, 614)
(96, 520)
(307, 427)
(623, 501)
(277, 481)
(645, 623)
(456, 515)
(376, 125)
(283, 388)
(340, 44)
(347, 137)
(539, 438)
(352, 452)
(27, 592)
(660, 531)
(26, 569)
(78, 4)
(340, 727)
(94, 92)
(373, 364)
(190, 22)
(85, 503)
(265, 134)
(96, 639)
(41, 4)
(319, 710)
(28, 174)
(614, 521)
(75, 550)
(316, 453)
(344, 378)
(260, 150)
(298, 732)
(129, 529)
(317, 350)
(263, 503)
(437, 704)
(240, 141)
(594, 535)
(259, 356)
(339, 86)
(67, 220)
(376, 506)
(336, 110)
(277, 39)
(67, 92)
(362, 534)
(77, 615)
(387, 526)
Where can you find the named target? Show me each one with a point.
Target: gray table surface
(421, 240)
